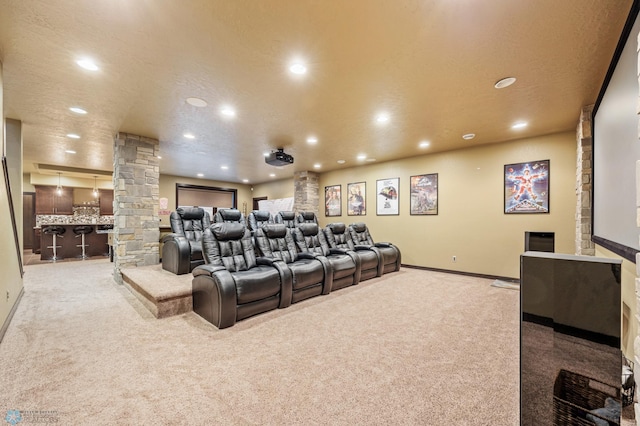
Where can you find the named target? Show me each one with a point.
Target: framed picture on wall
(332, 200)
(387, 196)
(357, 199)
(526, 187)
(424, 194)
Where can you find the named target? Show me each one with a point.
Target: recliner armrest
(172, 236)
(268, 261)
(207, 269)
(338, 251)
(305, 255)
(360, 247)
(383, 245)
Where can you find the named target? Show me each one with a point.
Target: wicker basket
(574, 396)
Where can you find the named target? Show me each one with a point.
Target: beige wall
(168, 190)
(470, 223)
(11, 282)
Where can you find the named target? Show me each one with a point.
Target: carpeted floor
(412, 347)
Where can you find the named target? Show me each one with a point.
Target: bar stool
(81, 231)
(56, 231)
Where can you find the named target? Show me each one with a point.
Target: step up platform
(161, 292)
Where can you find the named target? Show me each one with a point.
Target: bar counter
(96, 241)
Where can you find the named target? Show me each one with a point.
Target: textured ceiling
(430, 64)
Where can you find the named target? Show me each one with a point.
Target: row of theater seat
(269, 265)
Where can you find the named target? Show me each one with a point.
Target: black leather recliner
(229, 216)
(234, 284)
(312, 275)
(391, 257)
(288, 218)
(182, 249)
(257, 218)
(370, 257)
(306, 217)
(345, 264)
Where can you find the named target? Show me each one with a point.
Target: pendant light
(59, 187)
(95, 187)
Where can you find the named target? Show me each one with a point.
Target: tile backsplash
(81, 215)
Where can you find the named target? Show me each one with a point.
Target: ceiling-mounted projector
(278, 158)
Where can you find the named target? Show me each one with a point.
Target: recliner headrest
(191, 213)
(308, 215)
(337, 228)
(287, 215)
(308, 229)
(230, 214)
(359, 226)
(275, 230)
(261, 215)
(225, 231)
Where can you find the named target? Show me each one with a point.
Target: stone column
(584, 171)
(307, 193)
(136, 174)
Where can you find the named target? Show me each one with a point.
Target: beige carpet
(412, 347)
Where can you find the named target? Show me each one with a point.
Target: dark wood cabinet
(106, 202)
(37, 232)
(49, 202)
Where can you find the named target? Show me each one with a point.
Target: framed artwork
(526, 187)
(387, 196)
(424, 194)
(357, 199)
(332, 200)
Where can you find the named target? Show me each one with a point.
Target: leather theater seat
(311, 275)
(229, 216)
(257, 218)
(306, 217)
(234, 284)
(338, 236)
(391, 256)
(345, 264)
(288, 218)
(182, 249)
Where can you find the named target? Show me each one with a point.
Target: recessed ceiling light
(317, 166)
(70, 151)
(73, 136)
(341, 161)
(312, 140)
(227, 111)
(382, 118)
(361, 157)
(87, 64)
(272, 175)
(200, 175)
(197, 102)
(298, 68)
(424, 144)
(469, 136)
(189, 136)
(245, 180)
(159, 157)
(224, 167)
(505, 82)
(519, 125)
(77, 110)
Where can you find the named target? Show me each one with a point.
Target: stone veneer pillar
(136, 174)
(306, 192)
(584, 171)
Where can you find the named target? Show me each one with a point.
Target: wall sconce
(59, 187)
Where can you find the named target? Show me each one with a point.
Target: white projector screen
(616, 149)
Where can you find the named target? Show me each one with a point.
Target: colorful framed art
(424, 194)
(387, 196)
(526, 187)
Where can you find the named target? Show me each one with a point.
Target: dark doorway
(255, 202)
(28, 219)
